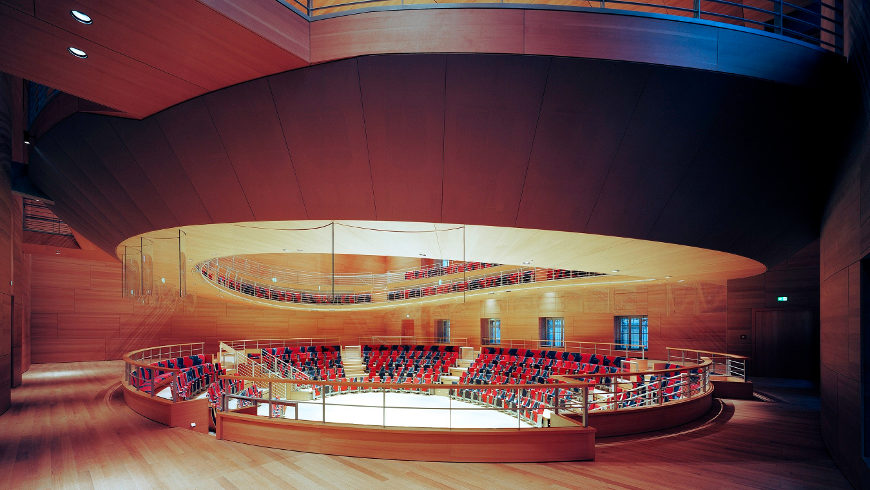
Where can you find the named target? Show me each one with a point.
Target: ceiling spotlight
(81, 17)
(668, 277)
(78, 53)
(615, 271)
(27, 139)
(682, 280)
(283, 249)
(527, 262)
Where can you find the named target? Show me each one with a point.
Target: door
(408, 327)
(785, 344)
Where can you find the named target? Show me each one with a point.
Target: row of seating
(317, 362)
(493, 281)
(556, 274)
(460, 286)
(220, 386)
(408, 363)
(512, 353)
(197, 372)
(284, 295)
(192, 380)
(440, 270)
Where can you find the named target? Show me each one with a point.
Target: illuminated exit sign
(782, 298)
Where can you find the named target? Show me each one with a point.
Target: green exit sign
(782, 298)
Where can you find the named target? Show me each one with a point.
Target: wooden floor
(69, 427)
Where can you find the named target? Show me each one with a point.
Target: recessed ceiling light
(615, 271)
(81, 17)
(668, 277)
(527, 262)
(682, 280)
(78, 53)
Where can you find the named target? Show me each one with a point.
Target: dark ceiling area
(617, 148)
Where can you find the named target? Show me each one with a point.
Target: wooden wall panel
(797, 278)
(680, 314)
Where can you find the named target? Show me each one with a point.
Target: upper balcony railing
(815, 22)
(279, 285)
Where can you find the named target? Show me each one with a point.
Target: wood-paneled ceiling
(589, 146)
(143, 55)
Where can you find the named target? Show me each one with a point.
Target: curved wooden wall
(460, 445)
(180, 414)
(575, 34)
(635, 421)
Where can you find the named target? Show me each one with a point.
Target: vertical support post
(556, 402)
(777, 18)
(270, 400)
(124, 275)
(141, 266)
(613, 387)
(383, 407)
(662, 390)
(323, 402)
(697, 9)
(585, 391)
(517, 405)
(223, 402)
(332, 300)
(151, 373)
(464, 266)
(181, 268)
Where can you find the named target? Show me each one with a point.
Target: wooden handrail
(732, 356)
(368, 384)
(376, 384)
(127, 358)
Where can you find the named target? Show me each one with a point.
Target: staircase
(468, 356)
(351, 359)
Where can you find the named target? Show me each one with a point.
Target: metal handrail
(604, 348)
(605, 392)
(765, 19)
(368, 288)
(730, 365)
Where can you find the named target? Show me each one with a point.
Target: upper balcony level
(173, 53)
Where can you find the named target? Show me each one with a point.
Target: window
(630, 332)
(490, 331)
(442, 331)
(552, 332)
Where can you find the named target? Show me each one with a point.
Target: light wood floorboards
(69, 428)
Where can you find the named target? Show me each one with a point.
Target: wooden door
(785, 344)
(408, 327)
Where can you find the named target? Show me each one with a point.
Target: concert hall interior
(260, 241)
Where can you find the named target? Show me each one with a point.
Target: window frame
(631, 330)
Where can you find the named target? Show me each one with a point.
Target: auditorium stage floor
(431, 411)
(69, 427)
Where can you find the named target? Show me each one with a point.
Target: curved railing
(729, 365)
(815, 22)
(411, 340)
(604, 348)
(531, 404)
(142, 372)
(282, 286)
